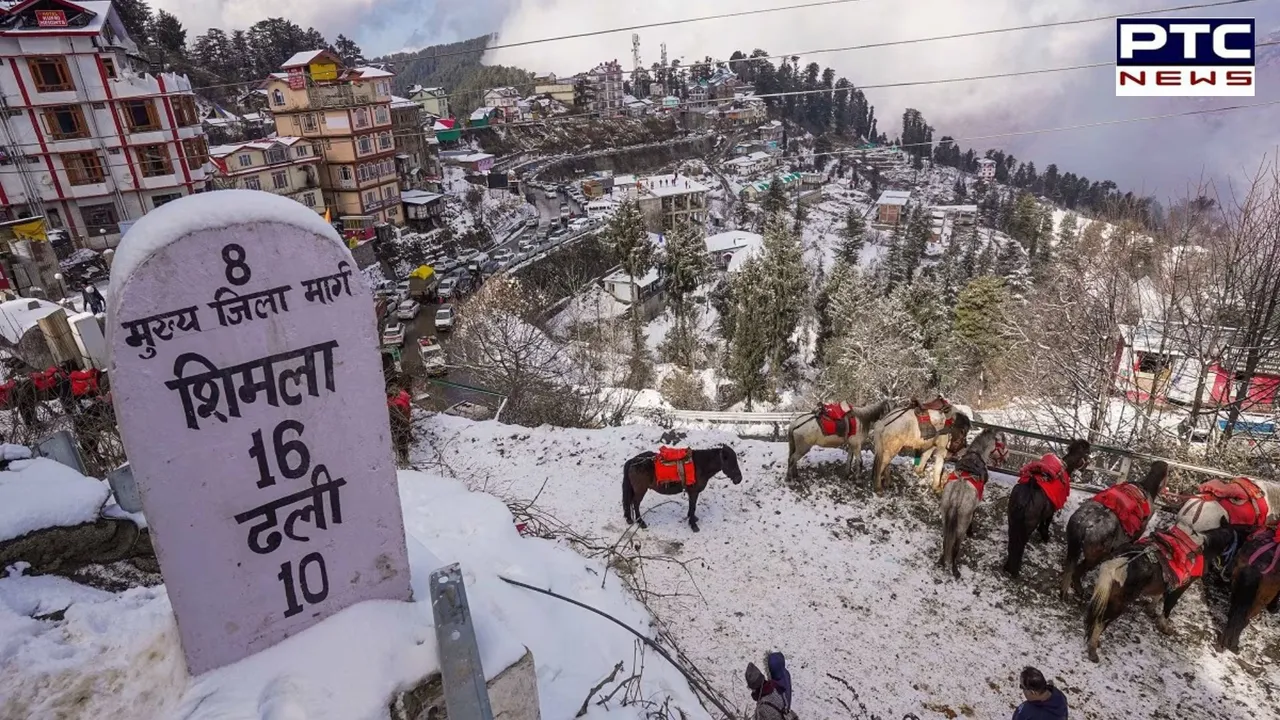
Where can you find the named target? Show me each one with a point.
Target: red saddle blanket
(674, 465)
(1052, 477)
(928, 430)
(46, 379)
(977, 482)
(1183, 559)
(1130, 504)
(84, 382)
(833, 419)
(1244, 502)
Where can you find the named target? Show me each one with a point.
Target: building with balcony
(434, 101)
(986, 169)
(88, 137)
(346, 112)
(288, 166)
(415, 150)
(664, 200)
(604, 88)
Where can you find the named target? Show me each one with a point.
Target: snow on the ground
(118, 655)
(41, 493)
(845, 585)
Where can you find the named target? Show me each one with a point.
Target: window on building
(184, 111)
(109, 66)
(277, 97)
(309, 199)
(196, 151)
(280, 179)
(245, 160)
(370, 197)
(252, 183)
(100, 218)
(391, 211)
(328, 144)
(362, 172)
(380, 115)
(385, 142)
(364, 144)
(344, 172)
(83, 168)
(50, 74)
(277, 154)
(159, 200)
(361, 117)
(302, 150)
(308, 123)
(154, 160)
(64, 122)
(141, 115)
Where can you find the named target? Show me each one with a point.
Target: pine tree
(981, 326)
(136, 17)
(748, 350)
(1068, 241)
(1013, 265)
(685, 267)
(876, 348)
(918, 235)
(629, 243)
(785, 288)
(897, 268)
(775, 199)
(167, 33)
(852, 238)
(959, 190)
(971, 254)
(349, 51)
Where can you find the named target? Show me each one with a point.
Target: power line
(1014, 133)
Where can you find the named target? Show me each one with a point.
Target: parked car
(402, 288)
(526, 246)
(467, 255)
(564, 211)
(550, 194)
(531, 222)
(393, 334)
(408, 310)
(444, 318)
(431, 352)
(578, 224)
(503, 257)
(471, 411)
(446, 266)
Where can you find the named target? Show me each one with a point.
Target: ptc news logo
(1192, 57)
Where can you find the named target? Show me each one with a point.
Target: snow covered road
(845, 585)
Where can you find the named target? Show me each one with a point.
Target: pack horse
(935, 428)
(831, 426)
(672, 471)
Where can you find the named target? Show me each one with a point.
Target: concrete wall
(513, 695)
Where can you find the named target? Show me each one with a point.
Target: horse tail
(1114, 573)
(1244, 591)
(1075, 548)
(1019, 528)
(791, 450)
(950, 526)
(628, 492)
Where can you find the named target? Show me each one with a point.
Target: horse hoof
(955, 573)
(643, 525)
(1093, 655)
(694, 527)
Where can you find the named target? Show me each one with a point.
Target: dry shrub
(684, 392)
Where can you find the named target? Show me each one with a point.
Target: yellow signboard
(324, 71)
(33, 230)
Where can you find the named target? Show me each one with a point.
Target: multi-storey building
(347, 112)
(605, 88)
(986, 169)
(434, 100)
(288, 166)
(415, 154)
(88, 137)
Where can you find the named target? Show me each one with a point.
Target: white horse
(1206, 512)
(900, 430)
(805, 433)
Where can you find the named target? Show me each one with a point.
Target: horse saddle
(1238, 496)
(939, 403)
(833, 419)
(674, 465)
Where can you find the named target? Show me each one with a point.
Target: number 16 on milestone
(1185, 57)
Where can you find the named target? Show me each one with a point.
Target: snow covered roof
(366, 72)
(732, 241)
(957, 208)
(894, 197)
(740, 258)
(19, 316)
(419, 197)
(467, 157)
(97, 9)
(306, 57)
(481, 113)
(399, 102)
(667, 185)
(759, 155)
(986, 161)
(265, 144)
(621, 278)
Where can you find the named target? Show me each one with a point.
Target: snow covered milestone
(250, 396)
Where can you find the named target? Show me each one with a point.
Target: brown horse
(1095, 530)
(1255, 584)
(640, 476)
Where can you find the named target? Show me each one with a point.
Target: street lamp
(61, 284)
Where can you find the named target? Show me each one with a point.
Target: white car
(393, 334)
(408, 310)
(527, 246)
(444, 317)
(447, 287)
(467, 256)
(432, 355)
(503, 257)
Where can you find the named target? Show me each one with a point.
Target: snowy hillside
(845, 585)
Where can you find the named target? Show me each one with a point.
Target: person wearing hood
(1043, 700)
(780, 676)
(93, 300)
(769, 702)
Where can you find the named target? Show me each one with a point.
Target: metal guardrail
(1119, 472)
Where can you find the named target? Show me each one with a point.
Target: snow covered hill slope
(845, 585)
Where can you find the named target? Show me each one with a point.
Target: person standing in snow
(1043, 700)
(769, 702)
(93, 300)
(777, 664)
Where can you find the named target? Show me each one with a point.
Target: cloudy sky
(1159, 157)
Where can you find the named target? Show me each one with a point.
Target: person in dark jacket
(93, 300)
(780, 676)
(1043, 700)
(769, 702)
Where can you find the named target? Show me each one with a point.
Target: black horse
(1255, 584)
(1095, 532)
(638, 477)
(1030, 509)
